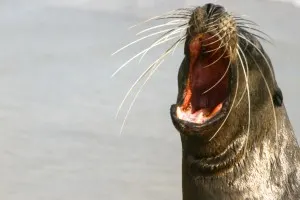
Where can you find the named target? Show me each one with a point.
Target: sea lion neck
(213, 158)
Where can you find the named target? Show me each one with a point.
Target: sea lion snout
(201, 18)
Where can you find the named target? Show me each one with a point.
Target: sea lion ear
(277, 97)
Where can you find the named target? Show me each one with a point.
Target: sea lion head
(226, 86)
(228, 99)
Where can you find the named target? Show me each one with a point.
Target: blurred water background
(59, 139)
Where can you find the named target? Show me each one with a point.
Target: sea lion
(236, 144)
(237, 140)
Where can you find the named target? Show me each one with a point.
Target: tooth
(179, 113)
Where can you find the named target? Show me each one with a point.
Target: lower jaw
(206, 121)
(200, 116)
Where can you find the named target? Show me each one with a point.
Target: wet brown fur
(236, 164)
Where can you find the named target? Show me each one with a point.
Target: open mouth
(207, 89)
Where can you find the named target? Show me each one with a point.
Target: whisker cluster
(177, 28)
(246, 25)
(245, 69)
(178, 25)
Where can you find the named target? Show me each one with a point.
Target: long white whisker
(238, 22)
(133, 85)
(163, 39)
(153, 18)
(212, 36)
(211, 29)
(216, 60)
(240, 19)
(254, 29)
(141, 76)
(215, 50)
(266, 60)
(142, 38)
(246, 26)
(135, 97)
(173, 22)
(262, 38)
(245, 89)
(242, 96)
(271, 98)
(249, 99)
(213, 22)
(222, 44)
(169, 14)
(211, 10)
(140, 53)
(230, 109)
(219, 79)
(182, 38)
(219, 38)
(128, 61)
